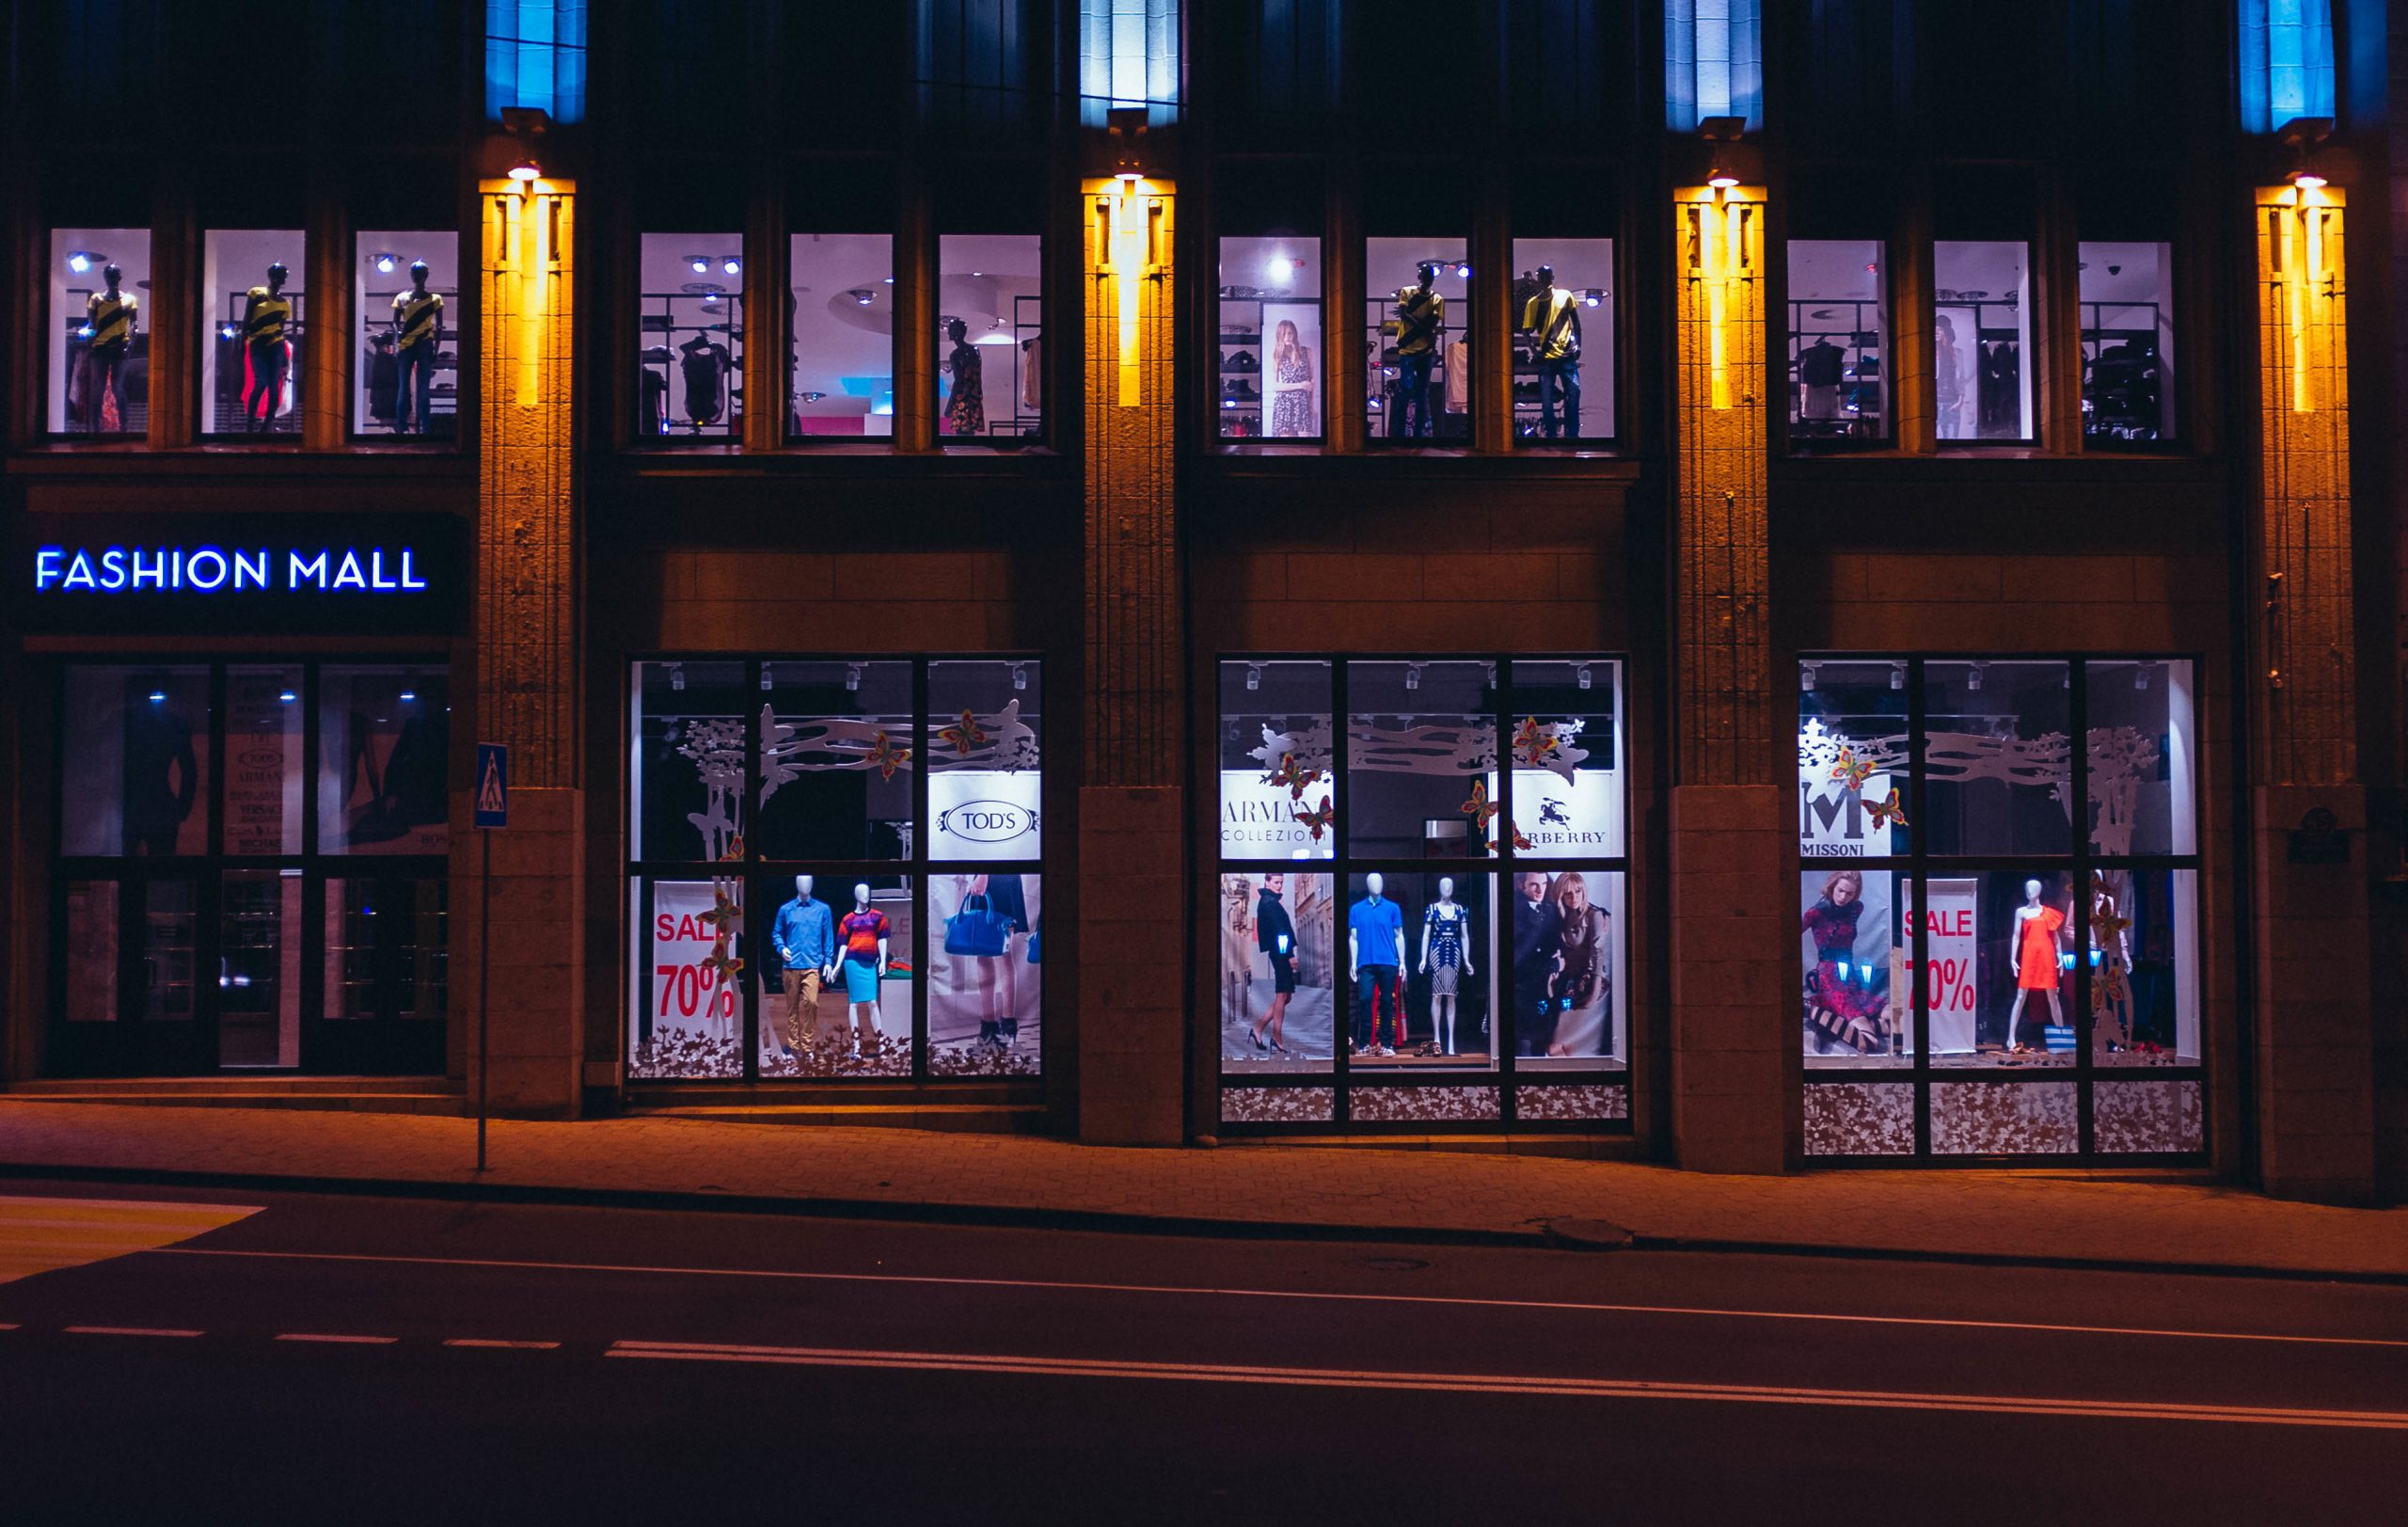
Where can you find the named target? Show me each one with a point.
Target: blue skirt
(861, 981)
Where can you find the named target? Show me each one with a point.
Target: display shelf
(1853, 326)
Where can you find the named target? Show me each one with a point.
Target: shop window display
(990, 342)
(1981, 356)
(1852, 758)
(253, 308)
(1564, 334)
(840, 355)
(1997, 753)
(2127, 345)
(689, 332)
(136, 771)
(1839, 348)
(384, 739)
(1278, 785)
(1272, 358)
(98, 338)
(1279, 970)
(835, 763)
(406, 302)
(1417, 348)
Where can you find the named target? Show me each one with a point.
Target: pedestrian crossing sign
(493, 785)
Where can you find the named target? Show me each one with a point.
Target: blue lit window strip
(1713, 62)
(2286, 67)
(536, 57)
(1128, 57)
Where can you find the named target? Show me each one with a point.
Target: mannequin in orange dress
(2033, 959)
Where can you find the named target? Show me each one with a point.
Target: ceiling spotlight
(813, 397)
(1594, 296)
(80, 260)
(1253, 677)
(886, 280)
(227, 331)
(1973, 677)
(1806, 676)
(383, 260)
(1020, 676)
(1413, 675)
(764, 678)
(2140, 677)
(1462, 270)
(1897, 676)
(852, 676)
(863, 295)
(409, 697)
(525, 170)
(732, 265)
(677, 677)
(158, 697)
(287, 696)
(701, 264)
(1282, 268)
(1582, 677)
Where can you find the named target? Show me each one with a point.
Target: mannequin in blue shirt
(805, 936)
(1374, 961)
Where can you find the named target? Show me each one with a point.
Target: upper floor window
(692, 329)
(2126, 343)
(1838, 340)
(1713, 62)
(989, 339)
(2286, 62)
(99, 342)
(1128, 57)
(408, 301)
(536, 57)
(1563, 314)
(252, 309)
(1982, 338)
(1272, 353)
(1419, 345)
(841, 322)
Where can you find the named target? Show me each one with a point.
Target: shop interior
(1417, 382)
(250, 379)
(842, 313)
(1838, 340)
(100, 382)
(990, 337)
(1272, 362)
(390, 378)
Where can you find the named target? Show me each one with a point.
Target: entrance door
(384, 969)
(128, 988)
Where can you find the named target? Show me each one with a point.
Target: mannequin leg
(1007, 1014)
(2014, 1020)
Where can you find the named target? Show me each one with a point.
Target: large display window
(1998, 925)
(253, 307)
(406, 302)
(1839, 333)
(206, 914)
(990, 338)
(840, 355)
(1272, 358)
(1427, 924)
(689, 332)
(98, 340)
(836, 868)
(1564, 333)
(1417, 347)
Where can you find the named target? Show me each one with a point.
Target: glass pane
(2126, 343)
(134, 778)
(170, 936)
(877, 959)
(1998, 755)
(1839, 340)
(983, 730)
(836, 759)
(1277, 799)
(1419, 961)
(2004, 1119)
(1852, 758)
(1981, 340)
(407, 380)
(1568, 792)
(1420, 746)
(1279, 966)
(1571, 1007)
(99, 338)
(91, 952)
(1563, 313)
(384, 741)
(2149, 1116)
(1417, 346)
(2145, 967)
(259, 968)
(685, 779)
(2144, 751)
(1861, 1119)
(263, 759)
(386, 953)
(807, 1026)
(990, 342)
(252, 310)
(1856, 1000)
(693, 1023)
(690, 331)
(984, 975)
(1273, 356)
(2024, 982)
(839, 362)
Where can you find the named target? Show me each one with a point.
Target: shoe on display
(1243, 360)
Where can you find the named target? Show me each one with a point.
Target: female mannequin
(1274, 936)
(2032, 959)
(1446, 937)
(1291, 382)
(965, 407)
(862, 941)
(1835, 1010)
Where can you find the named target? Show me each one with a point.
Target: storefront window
(407, 298)
(1417, 347)
(836, 762)
(2127, 345)
(1982, 338)
(990, 338)
(690, 328)
(1273, 354)
(384, 740)
(136, 776)
(253, 307)
(99, 333)
(1838, 341)
(841, 347)
(1563, 337)
(1997, 746)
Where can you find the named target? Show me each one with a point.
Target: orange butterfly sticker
(1479, 808)
(1317, 818)
(887, 756)
(1884, 813)
(964, 733)
(1851, 769)
(1535, 743)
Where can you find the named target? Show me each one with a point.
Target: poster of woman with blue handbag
(989, 922)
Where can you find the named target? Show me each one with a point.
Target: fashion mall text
(206, 569)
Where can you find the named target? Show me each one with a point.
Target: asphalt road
(336, 1359)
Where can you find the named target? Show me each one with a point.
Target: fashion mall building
(1750, 586)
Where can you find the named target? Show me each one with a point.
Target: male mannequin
(1538, 947)
(418, 324)
(864, 962)
(1374, 961)
(1446, 933)
(267, 312)
(1821, 367)
(804, 937)
(1274, 934)
(1553, 316)
(109, 323)
(2032, 960)
(1420, 315)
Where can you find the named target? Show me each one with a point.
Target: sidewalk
(2038, 1216)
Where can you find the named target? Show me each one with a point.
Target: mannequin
(2110, 963)
(1445, 936)
(1374, 961)
(1275, 937)
(109, 322)
(1821, 367)
(706, 363)
(418, 324)
(804, 937)
(2032, 959)
(965, 407)
(1420, 317)
(1553, 316)
(267, 312)
(863, 959)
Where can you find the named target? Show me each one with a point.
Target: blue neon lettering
(207, 556)
(250, 569)
(408, 581)
(348, 574)
(112, 569)
(312, 571)
(210, 568)
(156, 571)
(46, 566)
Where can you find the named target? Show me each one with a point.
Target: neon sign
(209, 569)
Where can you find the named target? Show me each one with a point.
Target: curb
(1588, 1236)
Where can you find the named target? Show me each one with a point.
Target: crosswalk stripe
(41, 1234)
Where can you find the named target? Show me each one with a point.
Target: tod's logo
(987, 821)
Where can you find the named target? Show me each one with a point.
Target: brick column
(1132, 860)
(1733, 925)
(2314, 1044)
(528, 672)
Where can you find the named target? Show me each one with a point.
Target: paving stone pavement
(2034, 1214)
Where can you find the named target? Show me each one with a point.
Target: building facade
(1755, 586)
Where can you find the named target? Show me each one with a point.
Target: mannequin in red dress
(2032, 960)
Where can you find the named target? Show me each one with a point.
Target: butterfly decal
(735, 853)
(887, 756)
(1479, 808)
(1317, 818)
(965, 734)
(723, 916)
(722, 919)
(1852, 770)
(1889, 812)
(1297, 780)
(1534, 743)
(1521, 844)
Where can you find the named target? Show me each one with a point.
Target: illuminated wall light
(1128, 271)
(526, 173)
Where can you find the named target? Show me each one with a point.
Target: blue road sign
(493, 785)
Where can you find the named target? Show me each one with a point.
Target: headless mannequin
(2023, 915)
(802, 997)
(110, 320)
(1411, 402)
(1442, 1006)
(1375, 885)
(417, 324)
(266, 313)
(866, 1031)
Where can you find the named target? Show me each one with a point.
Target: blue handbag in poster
(976, 930)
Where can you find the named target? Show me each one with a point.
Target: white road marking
(513, 1346)
(336, 1341)
(125, 1331)
(1176, 1290)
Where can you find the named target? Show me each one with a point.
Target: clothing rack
(2125, 400)
(671, 320)
(1862, 365)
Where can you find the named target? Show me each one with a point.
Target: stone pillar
(1733, 925)
(529, 676)
(1132, 860)
(2314, 1031)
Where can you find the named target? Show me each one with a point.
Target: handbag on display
(976, 930)
(1037, 947)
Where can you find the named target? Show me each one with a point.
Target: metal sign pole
(485, 985)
